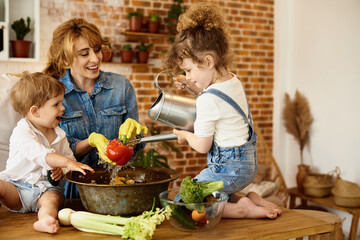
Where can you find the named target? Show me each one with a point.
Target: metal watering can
(173, 110)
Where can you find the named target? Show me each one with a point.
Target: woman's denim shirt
(112, 101)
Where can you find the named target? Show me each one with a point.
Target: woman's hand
(130, 128)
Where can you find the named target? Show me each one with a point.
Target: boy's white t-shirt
(28, 150)
(215, 117)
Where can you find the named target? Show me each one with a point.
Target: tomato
(196, 216)
(202, 222)
(119, 153)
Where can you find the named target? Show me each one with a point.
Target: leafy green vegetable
(182, 216)
(192, 191)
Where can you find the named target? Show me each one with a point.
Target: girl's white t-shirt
(215, 117)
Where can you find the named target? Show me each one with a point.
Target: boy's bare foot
(259, 201)
(246, 208)
(47, 224)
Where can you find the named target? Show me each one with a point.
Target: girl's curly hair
(201, 31)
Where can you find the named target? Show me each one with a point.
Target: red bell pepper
(119, 153)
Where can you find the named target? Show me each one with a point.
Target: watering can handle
(184, 85)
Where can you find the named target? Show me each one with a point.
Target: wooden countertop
(291, 224)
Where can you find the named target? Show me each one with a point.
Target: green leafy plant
(145, 47)
(21, 29)
(136, 14)
(173, 14)
(176, 9)
(151, 157)
(127, 47)
(153, 17)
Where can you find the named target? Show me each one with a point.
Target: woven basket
(318, 185)
(346, 194)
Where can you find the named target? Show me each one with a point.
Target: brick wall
(252, 43)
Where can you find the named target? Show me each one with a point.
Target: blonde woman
(95, 101)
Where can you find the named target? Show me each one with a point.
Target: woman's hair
(201, 31)
(62, 45)
(34, 90)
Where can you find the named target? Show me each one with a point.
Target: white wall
(317, 51)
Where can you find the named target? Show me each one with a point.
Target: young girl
(223, 126)
(37, 145)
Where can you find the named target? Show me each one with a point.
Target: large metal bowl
(128, 199)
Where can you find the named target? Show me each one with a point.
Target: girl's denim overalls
(236, 166)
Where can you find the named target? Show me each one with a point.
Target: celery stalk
(138, 228)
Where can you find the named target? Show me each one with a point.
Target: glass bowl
(181, 215)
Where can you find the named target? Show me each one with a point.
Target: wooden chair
(265, 157)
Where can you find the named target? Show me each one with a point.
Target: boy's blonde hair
(201, 31)
(62, 45)
(34, 90)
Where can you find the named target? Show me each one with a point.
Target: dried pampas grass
(298, 119)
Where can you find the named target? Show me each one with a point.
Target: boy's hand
(181, 136)
(78, 166)
(56, 173)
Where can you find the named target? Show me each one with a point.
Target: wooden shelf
(146, 34)
(128, 64)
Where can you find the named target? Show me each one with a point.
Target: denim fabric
(29, 195)
(236, 166)
(112, 101)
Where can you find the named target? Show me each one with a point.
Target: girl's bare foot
(47, 224)
(246, 208)
(259, 201)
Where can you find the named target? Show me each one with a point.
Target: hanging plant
(298, 119)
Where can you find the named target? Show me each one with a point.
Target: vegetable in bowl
(201, 204)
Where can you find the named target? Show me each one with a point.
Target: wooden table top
(291, 224)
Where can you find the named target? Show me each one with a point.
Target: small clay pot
(135, 23)
(126, 56)
(153, 27)
(143, 56)
(20, 48)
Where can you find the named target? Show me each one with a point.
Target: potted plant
(126, 54)
(20, 46)
(297, 121)
(107, 51)
(173, 14)
(136, 19)
(143, 53)
(154, 23)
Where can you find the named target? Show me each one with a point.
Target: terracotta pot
(135, 23)
(153, 27)
(126, 56)
(143, 56)
(20, 48)
(303, 170)
(107, 55)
